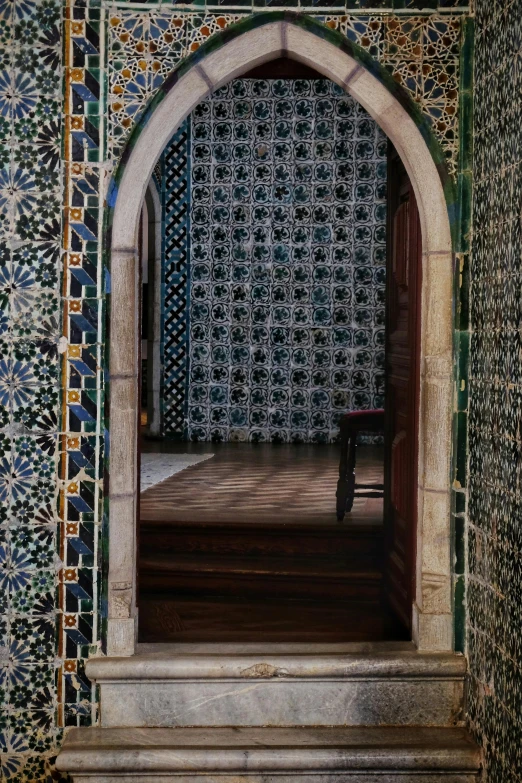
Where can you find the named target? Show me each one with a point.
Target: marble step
(265, 755)
(340, 578)
(261, 538)
(268, 687)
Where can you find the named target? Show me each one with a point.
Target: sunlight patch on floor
(155, 468)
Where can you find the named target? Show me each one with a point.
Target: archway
(257, 41)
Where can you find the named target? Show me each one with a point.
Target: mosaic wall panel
(89, 66)
(495, 445)
(422, 53)
(143, 49)
(84, 287)
(30, 424)
(288, 232)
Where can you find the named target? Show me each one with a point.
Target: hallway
(245, 546)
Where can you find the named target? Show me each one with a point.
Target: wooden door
(404, 268)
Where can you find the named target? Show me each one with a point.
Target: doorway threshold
(274, 648)
(280, 685)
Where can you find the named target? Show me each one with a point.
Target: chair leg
(343, 484)
(350, 470)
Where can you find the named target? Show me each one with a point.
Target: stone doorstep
(245, 662)
(381, 687)
(332, 753)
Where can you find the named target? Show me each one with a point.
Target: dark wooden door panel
(402, 384)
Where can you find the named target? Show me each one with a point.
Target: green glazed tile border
(465, 189)
(459, 501)
(459, 533)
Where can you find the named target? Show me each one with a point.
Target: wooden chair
(351, 424)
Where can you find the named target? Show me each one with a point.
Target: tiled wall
(287, 263)
(95, 73)
(421, 51)
(495, 446)
(30, 327)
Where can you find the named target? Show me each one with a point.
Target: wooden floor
(246, 547)
(248, 483)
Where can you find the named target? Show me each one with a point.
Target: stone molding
(378, 663)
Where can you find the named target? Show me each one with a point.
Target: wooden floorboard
(249, 483)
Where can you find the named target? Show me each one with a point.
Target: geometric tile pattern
(82, 440)
(144, 47)
(78, 73)
(421, 52)
(494, 589)
(176, 209)
(30, 362)
(288, 233)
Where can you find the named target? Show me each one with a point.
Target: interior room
(264, 260)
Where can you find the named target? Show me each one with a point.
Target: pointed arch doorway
(241, 50)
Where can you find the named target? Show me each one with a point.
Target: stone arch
(235, 51)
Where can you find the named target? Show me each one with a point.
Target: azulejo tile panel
(143, 49)
(30, 328)
(58, 64)
(422, 53)
(494, 588)
(287, 261)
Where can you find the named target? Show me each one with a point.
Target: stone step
(259, 537)
(316, 687)
(340, 578)
(266, 755)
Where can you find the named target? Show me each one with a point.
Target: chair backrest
(357, 421)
